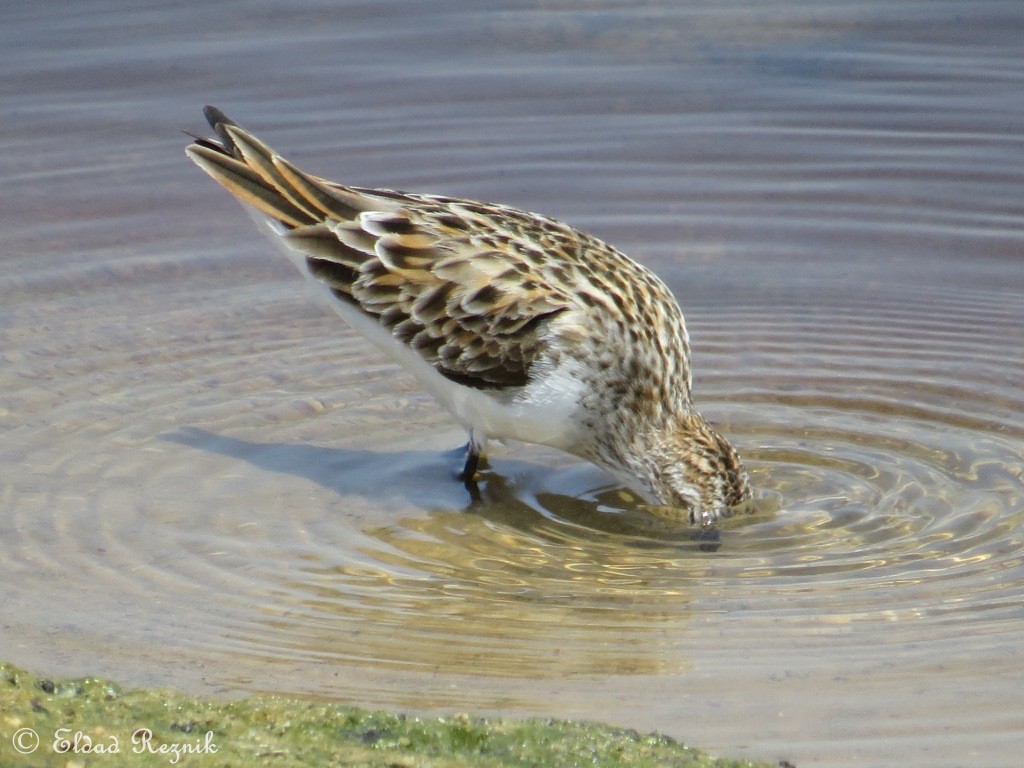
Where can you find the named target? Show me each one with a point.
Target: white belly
(541, 412)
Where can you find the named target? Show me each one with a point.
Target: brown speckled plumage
(563, 339)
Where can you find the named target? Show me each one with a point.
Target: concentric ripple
(297, 525)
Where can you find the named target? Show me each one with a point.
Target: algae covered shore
(89, 722)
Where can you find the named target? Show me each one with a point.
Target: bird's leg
(468, 476)
(472, 462)
(474, 449)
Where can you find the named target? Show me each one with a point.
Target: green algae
(89, 722)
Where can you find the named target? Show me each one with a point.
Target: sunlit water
(200, 463)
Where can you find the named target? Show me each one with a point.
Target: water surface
(199, 462)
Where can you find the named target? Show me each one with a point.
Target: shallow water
(199, 462)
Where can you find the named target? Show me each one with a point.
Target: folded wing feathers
(411, 262)
(333, 201)
(247, 185)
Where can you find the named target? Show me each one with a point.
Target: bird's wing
(459, 282)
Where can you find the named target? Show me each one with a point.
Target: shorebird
(520, 325)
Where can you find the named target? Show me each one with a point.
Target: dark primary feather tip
(220, 123)
(215, 117)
